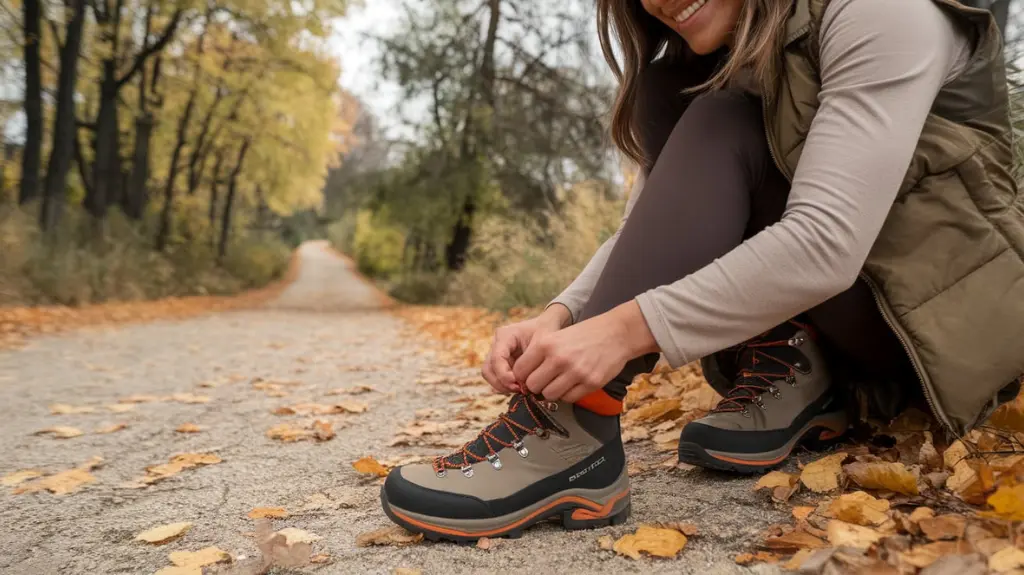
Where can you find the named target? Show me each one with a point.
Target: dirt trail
(325, 331)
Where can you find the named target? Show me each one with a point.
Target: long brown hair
(756, 46)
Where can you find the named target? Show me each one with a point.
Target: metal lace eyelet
(760, 403)
(552, 406)
(775, 392)
(494, 461)
(745, 412)
(796, 341)
(791, 380)
(520, 449)
(541, 433)
(467, 470)
(441, 473)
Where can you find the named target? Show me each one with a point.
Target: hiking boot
(782, 396)
(540, 460)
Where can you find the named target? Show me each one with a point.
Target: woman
(825, 191)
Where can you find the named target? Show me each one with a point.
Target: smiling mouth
(690, 11)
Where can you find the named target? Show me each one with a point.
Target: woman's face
(706, 25)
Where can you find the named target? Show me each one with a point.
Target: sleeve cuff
(574, 310)
(661, 331)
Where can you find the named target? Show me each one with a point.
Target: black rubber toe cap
(408, 496)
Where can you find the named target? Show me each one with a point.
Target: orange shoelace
(517, 430)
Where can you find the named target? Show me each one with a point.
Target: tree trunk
(473, 139)
(64, 123)
(136, 193)
(225, 225)
(107, 163)
(31, 157)
(172, 172)
(214, 192)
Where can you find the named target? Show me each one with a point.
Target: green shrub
(377, 245)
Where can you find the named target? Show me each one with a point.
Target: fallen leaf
(188, 398)
(775, 479)
(188, 428)
(63, 482)
(60, 432)
(164, 533)
(1007, 503)
(860, 508)
(65, 409)
(320, 558)
(744, 559)
(201, 558)
(323, 430)
(797, 560)
(954, 454)
(18, 477)
(293, 535)
(802, 513)
(606, 542)
(370, 466)
(288, 432)
(635, 434)
(267, 512)
(654, 541)
(392, 535)
(1007, 559)
(841, 533)
(357, 390)
(407, 571)
(924, 555)
(120, 407)
(888, 476)
(823, 475)
(487, 543)
(948, 526)
(654, 411)
(111, 428)
(177, 464)
(793, 541)
(139, 399)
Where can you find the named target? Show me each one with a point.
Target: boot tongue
(758, 357)
(522, 410)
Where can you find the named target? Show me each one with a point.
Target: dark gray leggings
(713, 184)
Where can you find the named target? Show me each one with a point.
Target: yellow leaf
(65, 409)
(177, 464)
(1007, 503)
(654, 541)
(64, 482)
(120, 407)
(954, 454)
(654, 411)
(18, 477)
(112, 428)
(1006, 559)
(370, 466)
(888, 476)
(180, 571)
(188, 428)
(164, 533)
(268, 512)
(201, 558)
(823, 475)
(924, 555)
(841, 533)
(393, 535)
(860, 508)
(776, 479)
(139, 399)
(60, 432)
(188, 398)
(802, 512)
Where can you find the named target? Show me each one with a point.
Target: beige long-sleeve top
(882, 64)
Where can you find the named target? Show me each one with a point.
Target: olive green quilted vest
(948, 268)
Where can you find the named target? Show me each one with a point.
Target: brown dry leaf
(688, 529)
(860, 508)
(120, 407)
(293, 535)
(655, 541)
(793, 541)
(924, 555)
(318, 430)
(188, 398)
(654, 412)
(177, 464)
(954, 454)
(18, 477)
(1007, 559)
(606, 542)
(65, 409)
(635, 434)
(357, 390)
(111, 428)
(139, 399)
(164, 533)
(487, 544)
(928, 455)
(823, 475)
(948, 526)
(744, 559)
(60, 432)
(841, 533)
(393, 535)
(267, 513)
(888, 476)
(201, 558)
(797, 560)
(370, 466)
(63, 482)
(1007, 503)
(775, 479)
(188, 428)
(322, 409)
(320, 558)
(802, 513)
(323, 430)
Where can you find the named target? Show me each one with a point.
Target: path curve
(347, 340)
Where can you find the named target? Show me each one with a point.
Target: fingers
(560, 387)
(497, 368)
(576, 393)
(541, 377)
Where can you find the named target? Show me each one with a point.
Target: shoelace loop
(516, 430)
(751, 383)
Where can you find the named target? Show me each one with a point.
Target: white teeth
(690, 10)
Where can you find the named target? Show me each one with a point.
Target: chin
(705, 44)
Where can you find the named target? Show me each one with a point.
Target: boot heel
(582, 518)
(822, 439)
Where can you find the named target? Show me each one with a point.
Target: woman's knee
(726, 112)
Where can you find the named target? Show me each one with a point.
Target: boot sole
(575, 511)
(820, 433)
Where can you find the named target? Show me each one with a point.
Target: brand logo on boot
(585, 470)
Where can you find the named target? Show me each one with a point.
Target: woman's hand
(573, 362)
(512, 340)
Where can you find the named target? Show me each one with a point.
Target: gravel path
(325, 331)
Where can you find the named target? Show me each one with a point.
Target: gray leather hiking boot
(540, 460)
(783, 396)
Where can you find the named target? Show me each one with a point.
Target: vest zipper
(879, 301)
